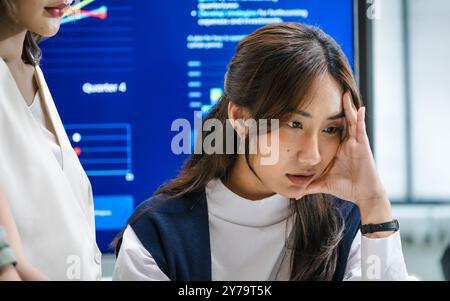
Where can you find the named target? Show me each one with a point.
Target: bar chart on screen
(103, 149)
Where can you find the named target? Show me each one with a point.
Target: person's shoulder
(168, 204)
(348, 209)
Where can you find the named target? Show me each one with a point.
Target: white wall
(429, 65)
(430, 92)
(425, 229)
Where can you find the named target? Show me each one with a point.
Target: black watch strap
(389, 226)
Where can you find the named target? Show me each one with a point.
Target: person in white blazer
(42, 179)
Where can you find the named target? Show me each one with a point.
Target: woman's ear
(237, 116)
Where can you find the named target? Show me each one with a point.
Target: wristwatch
(389, 226)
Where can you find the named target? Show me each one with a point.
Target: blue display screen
(122, 71)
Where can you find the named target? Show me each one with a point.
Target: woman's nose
(309, 154)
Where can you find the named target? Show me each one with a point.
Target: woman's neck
(11, 43)
(243, 182)
(11, 48)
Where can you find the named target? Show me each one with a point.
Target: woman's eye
(295, 125)
(334, 130)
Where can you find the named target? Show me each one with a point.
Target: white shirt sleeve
(134, 262)
(376, 259)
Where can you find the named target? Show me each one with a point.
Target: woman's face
(41, 16)
(308, 141)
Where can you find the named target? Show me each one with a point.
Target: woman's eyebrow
(337, 116)
(308, 115)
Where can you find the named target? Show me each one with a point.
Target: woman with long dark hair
(230, 216)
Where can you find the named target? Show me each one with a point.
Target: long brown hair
(31, 53)
(271, 73)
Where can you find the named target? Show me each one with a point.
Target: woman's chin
(49, 29)
(292, 192)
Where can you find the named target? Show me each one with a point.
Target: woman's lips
(57, 11)
(298, 179)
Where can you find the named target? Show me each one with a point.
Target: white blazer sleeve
(134, 262)
(376, 259)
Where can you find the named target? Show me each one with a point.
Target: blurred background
(132, 67)
(410, 103)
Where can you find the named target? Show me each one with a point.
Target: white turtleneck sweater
(247, 243)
